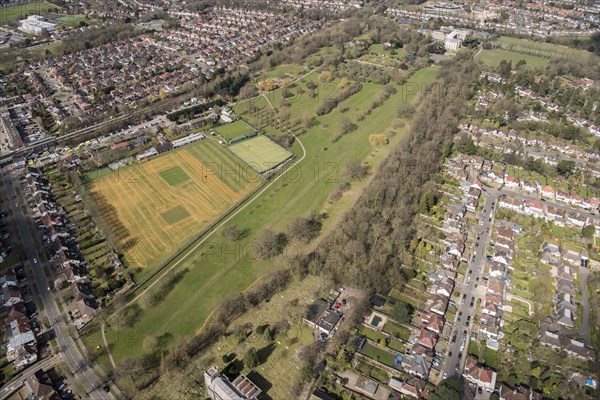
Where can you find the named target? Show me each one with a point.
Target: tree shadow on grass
(265, 352)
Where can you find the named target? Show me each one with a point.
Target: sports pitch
(21, 11)
(261, 153)
(234, 129)
(155, 207)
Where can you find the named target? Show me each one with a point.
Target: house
(417, 365)
(321, 317)
(529, 187)
(565, 317)
(511, 181)
(412, 387)
(565, 286)
(550, 337)
(496, 286)
(428, 338)
(444, 286)
(518, 393)
(534, 208)
(574, 218)
(488, 326)
(83, 310)
(511, 203)
(40, 386)
(220, 388)
(484, 378)
(548, 192)
(578, 349)
(433, 322)
(550, 248)
(366, 386)
(504, 232)
(492, 304)
(438, 304)
(554, 214)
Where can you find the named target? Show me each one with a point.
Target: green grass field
(174, 215)
(174, 176)
(378, 354)
(234, 129)
(398, 330)
(216, 275)
(13, 13)
(494, 57)
(535, 54)
(260, 153)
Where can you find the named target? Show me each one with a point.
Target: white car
(35, 260)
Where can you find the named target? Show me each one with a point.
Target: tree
(565, 167)
(427, 201)
(325, 76)
(450, 389)
(150, 343)
(588, 231)
(269, 244)
(378, 139)
(305, 228)
(251, 358)
(466, 145)
(233, 233)
(355, 170)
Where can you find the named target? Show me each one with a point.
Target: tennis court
(260, 153)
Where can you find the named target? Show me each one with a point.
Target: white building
(35, 25)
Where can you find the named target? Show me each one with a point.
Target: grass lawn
(398, 330)
(540, 49)
(219, 270)
(373, 372)
(490, 358)
(398, 295)
(493, 58)
(21, 11)
(71, 21)
(260, 153)
(234, 129)
(174, 176)
(377, 353)
(474, 348)
(175, 215)
(371, 334)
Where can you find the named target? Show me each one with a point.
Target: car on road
(459, 316)
(35, 260)
(468, 319)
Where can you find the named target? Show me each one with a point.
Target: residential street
(84, 375)
(466, 311)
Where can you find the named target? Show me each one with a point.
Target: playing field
(234, 129)
(155, 207)
(536, 54)
(21, 11)
(261, 153)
